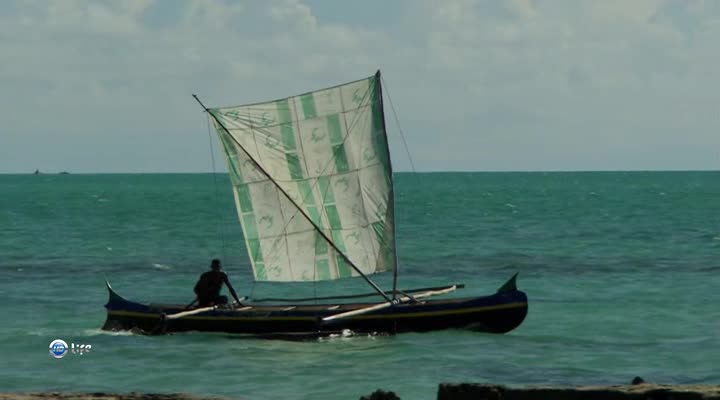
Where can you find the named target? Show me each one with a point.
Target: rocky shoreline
(103, 396)
(450, 391)
(625, 392)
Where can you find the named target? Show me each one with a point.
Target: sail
(317, 162)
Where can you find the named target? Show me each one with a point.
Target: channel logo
(59, 348)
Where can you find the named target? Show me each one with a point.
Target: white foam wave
(98, 331)
(349, 334)
(80, 333)
(41, 332)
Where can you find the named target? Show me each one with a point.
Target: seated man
(209, 285)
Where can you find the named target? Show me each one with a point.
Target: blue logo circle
(58, 348)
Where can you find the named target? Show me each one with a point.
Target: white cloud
(520, 84)
(294, 12)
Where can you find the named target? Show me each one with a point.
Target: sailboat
(313, 186)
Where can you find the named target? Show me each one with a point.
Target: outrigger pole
(381, 306)
(299, 208)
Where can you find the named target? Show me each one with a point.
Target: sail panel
(327, 150)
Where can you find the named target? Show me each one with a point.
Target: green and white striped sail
(328, 151)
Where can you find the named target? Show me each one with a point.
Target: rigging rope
(397, 122)
(221, 232)
(412, 165)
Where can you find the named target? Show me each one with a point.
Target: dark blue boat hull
(497, 313)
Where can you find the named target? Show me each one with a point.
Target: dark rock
(638, 380)
(469, 391)
(381, 395)
(646, 391)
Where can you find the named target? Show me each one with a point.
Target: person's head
(215, 265)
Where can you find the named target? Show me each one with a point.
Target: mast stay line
(299, 208)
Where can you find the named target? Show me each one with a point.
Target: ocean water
(622, 270)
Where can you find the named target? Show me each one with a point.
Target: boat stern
(503, 311)
(510, 285)
(123, 315)
(516, 302)
(114, 299)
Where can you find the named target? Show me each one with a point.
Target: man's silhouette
(209, 285)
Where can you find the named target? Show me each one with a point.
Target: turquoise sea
(622, 270)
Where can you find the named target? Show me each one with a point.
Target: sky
(477, 85)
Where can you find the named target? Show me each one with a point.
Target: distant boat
(37, 172)
(64, 173)
(314, 192)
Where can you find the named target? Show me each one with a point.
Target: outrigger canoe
(314, 192)
(497, 313)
